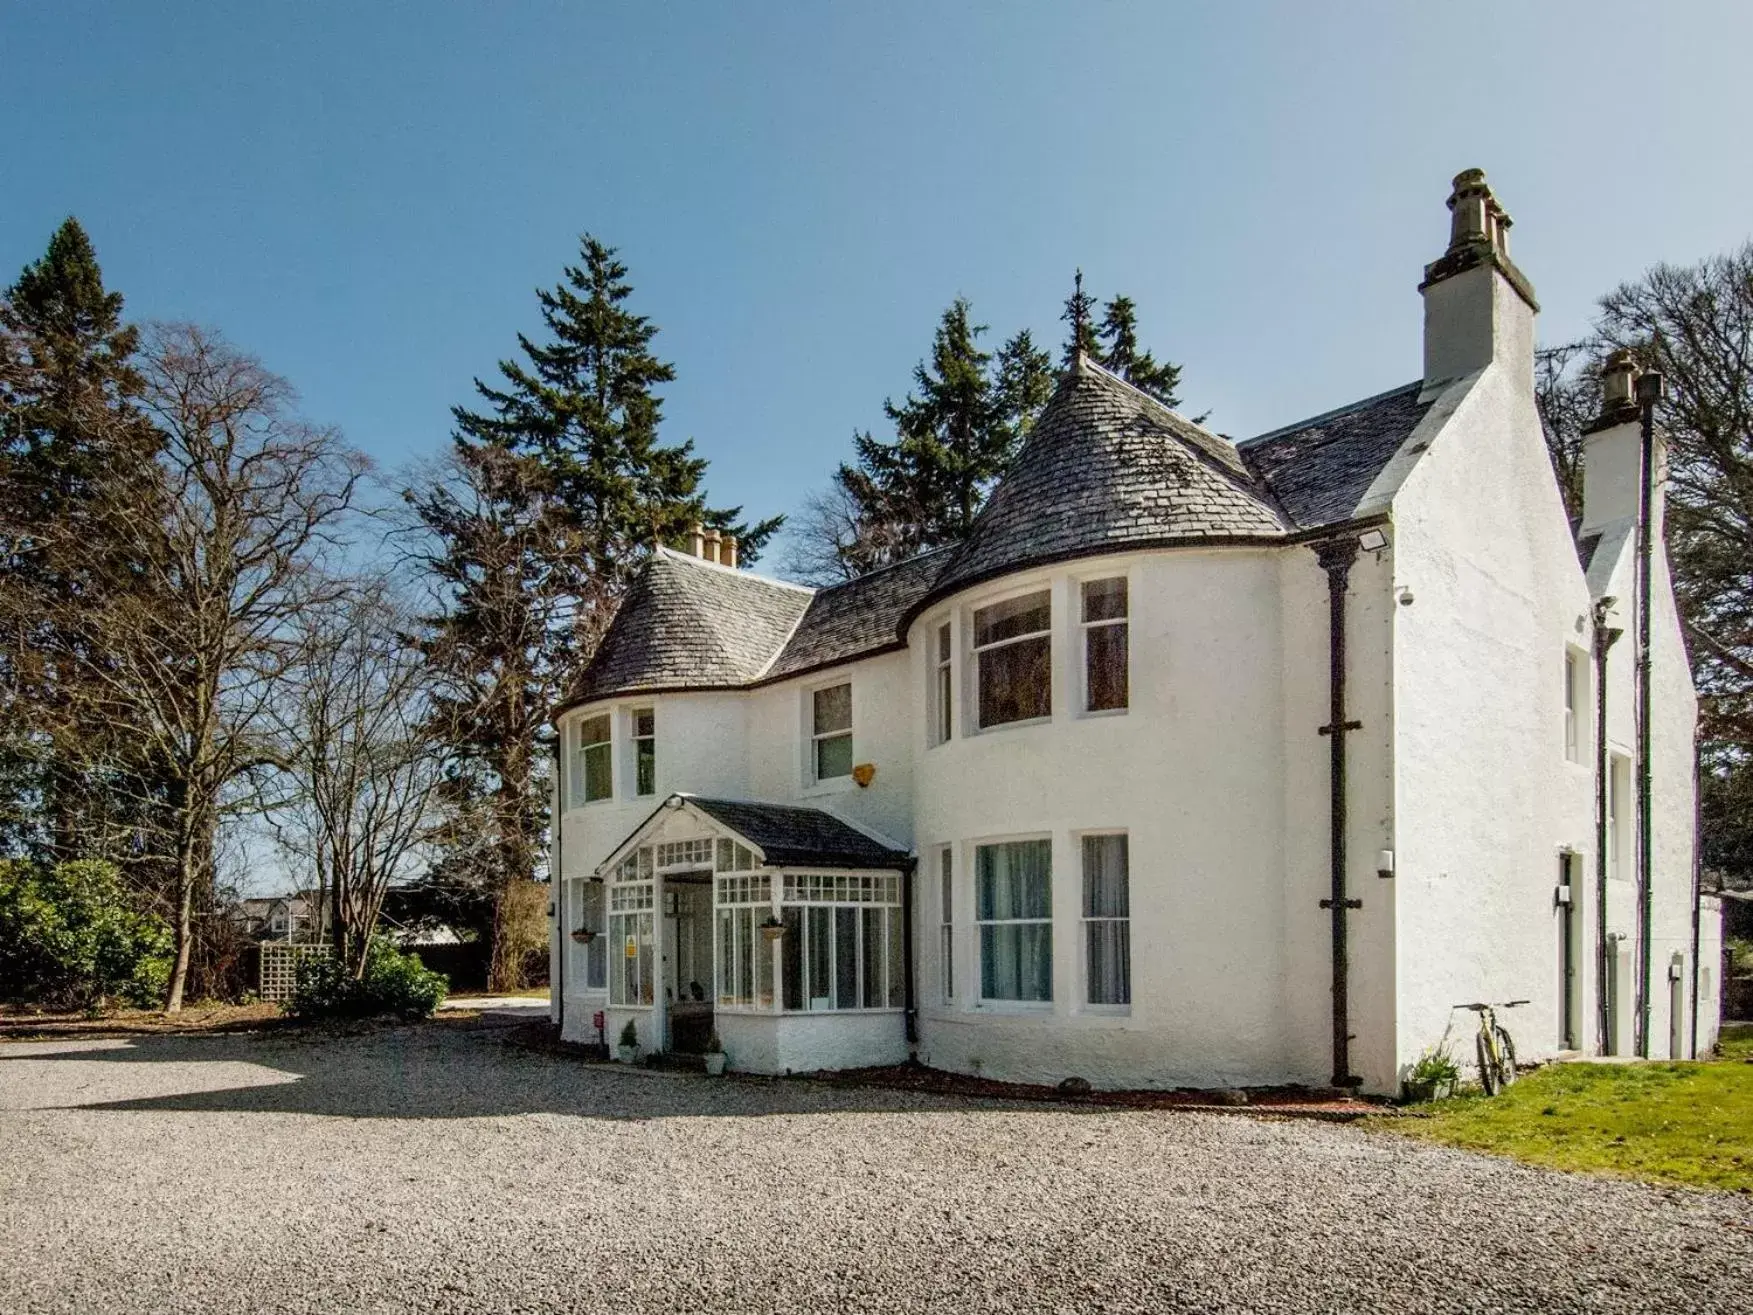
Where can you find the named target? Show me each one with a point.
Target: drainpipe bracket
(1344, 726)
(1350, 904)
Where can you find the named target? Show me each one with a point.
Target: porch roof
(790, 835)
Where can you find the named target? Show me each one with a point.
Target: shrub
(70, 936)
(392, 983)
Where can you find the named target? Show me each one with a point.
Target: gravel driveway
(438, 1169)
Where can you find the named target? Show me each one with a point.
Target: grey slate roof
(1107, 468)
(859, 617)
(688, 624)
(1320, 469)
(793, 836)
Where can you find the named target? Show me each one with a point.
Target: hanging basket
(584, 935)
(772, 930)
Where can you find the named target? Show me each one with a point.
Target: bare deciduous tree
(192, 657)
(355, 723)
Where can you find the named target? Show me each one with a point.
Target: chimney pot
(727, 553)
(1618, 382)
(697, 540)
(711, 553)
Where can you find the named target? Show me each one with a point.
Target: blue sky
(366, 196)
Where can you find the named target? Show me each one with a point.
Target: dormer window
(1013, 660)
(831, 732)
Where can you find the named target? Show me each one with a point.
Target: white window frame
(578, 784)
(1085, 921)
(1085, 627)
(835, 891)
(1001, 1004)
(634, 740)
(815, 737)
(942, 701)
(946, 940)
(974, 649)
(1576, 686)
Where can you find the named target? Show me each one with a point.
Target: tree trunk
(185, 928)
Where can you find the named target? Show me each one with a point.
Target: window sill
(1096, 714)
(1011, 726)
(833, 785)
(1015, 1008)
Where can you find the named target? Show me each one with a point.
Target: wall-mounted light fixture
(1372, 541)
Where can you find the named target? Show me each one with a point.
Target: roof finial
(1077, 311)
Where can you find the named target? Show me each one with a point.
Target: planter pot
(584, 936)
(627, 1054)
(714, 1063)
(1417, 1092)
(773, 933)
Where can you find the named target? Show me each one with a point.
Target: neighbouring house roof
(1319, 470)
(792, 836)
(1107, 468)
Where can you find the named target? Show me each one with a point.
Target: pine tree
(1113, 343)
(585, 406)
(955, 434)
(561, 487)
(75, 452)
(1121, 353)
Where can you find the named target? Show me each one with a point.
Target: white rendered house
(1197, 764)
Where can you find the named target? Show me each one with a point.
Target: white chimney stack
(1478, 307)
(1613, 452)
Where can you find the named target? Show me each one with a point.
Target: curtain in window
(1014, 904)
(1107, 911)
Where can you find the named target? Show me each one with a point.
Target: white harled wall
(1193, 772)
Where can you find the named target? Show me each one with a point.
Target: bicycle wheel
(1506, 1054)
(1487, 1065)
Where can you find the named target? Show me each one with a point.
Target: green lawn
(1669, 1123)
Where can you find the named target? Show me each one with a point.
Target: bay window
(842, 946)
(831, 732)
(745, 955)
(1013, 897)
(1013, 660)
(1104, 645)
(632, 930)
(1107, 920)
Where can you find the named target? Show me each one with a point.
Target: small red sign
(596, 1020)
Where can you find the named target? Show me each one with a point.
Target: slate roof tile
(793, 836)
(1106, 468)
(688, 624)
(859, 617)
(1320, 469)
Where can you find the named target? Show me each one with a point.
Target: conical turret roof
(1109, 468)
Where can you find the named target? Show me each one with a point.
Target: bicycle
(1497, 1053)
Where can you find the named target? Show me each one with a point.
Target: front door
(687, 965)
